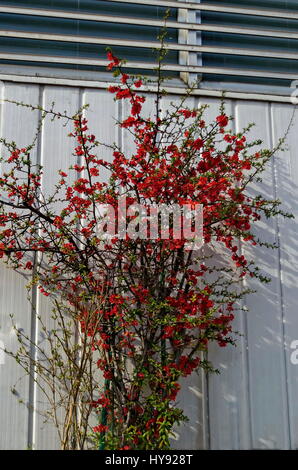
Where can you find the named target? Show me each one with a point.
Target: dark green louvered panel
(281, 46)
(74, 28)
(238, 41)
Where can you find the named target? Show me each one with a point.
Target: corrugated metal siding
(252, 403)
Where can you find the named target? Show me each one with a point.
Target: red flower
(100, 428)
(136, 108)
(114, 61)
(222, 120)
(124, 78)
(94, 171)
(108, 375)
(140, 375)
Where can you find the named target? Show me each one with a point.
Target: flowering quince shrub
(146, 309)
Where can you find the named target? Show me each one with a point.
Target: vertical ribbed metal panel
(266, 368)
(228, 408)
(55, 154)
(15, 391)
(286, 183)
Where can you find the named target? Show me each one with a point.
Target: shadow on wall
(252, 403)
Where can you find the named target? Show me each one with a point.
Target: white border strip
(171, 90)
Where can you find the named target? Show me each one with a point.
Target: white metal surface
(186, 37)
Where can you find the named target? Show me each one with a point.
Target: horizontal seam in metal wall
(151, 22)
(146, 44)
(148, 89)
(149, 66)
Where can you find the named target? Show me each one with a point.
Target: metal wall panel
(252, 402)
(228, 410)
(55, 154)
(286, 178)
(15, 410)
